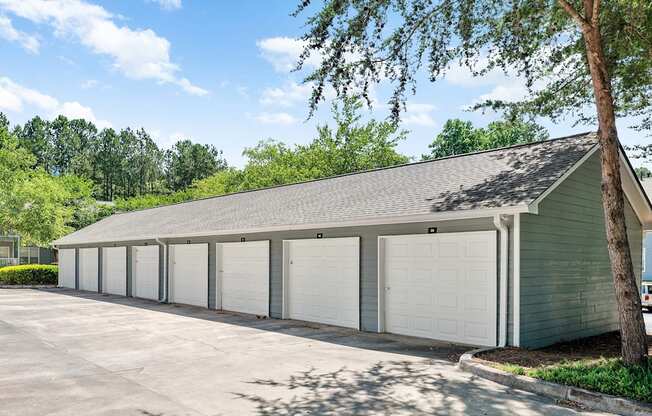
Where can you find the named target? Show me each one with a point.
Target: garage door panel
(67, 268)
(244, 275)
(189, 274)
(88, 269)
(145, 272)
(448, 292)
(114, 270)
(323, 281)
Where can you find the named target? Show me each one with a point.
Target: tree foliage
(360, 42)
(459, 137)
(349, 146)
(33, 203)
(188, 161)
(123, 163)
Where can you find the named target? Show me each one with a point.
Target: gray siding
(566, 284)
(100, 277)
(76, 268)
(162, 257)
(130, 271)
(368, 260)
(368, 257)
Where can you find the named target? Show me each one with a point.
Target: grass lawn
(604, 375)
(590, 363)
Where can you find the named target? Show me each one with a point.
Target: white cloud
(419, 114)
(14, 97)
(191, 89)
(167, 4)
(283, 53)
(138, 54)
(276, 118)
(514, 91)
(10, 33)
(74, 110)
(287, 95)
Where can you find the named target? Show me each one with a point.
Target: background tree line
(63, 174)
(123, 163)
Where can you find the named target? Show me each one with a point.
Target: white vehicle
(646, 295)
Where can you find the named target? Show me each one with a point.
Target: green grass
(29, 274)
(609, 376)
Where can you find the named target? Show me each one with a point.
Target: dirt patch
(605, 345)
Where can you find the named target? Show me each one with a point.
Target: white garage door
(67, 268)
(441, 286)
(114, 270)
(189, 274)
(88, 268)
(322, 280)
(145, 272)
(243, 273)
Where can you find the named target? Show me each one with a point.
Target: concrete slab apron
(71, 353)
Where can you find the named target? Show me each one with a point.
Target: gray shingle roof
(508, 177)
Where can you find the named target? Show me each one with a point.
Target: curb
(591, 400)
(28, 286)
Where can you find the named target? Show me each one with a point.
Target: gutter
(501, 224)
(165, 270)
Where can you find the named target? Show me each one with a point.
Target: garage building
(491, 248)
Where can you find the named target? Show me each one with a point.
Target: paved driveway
(67, 353)
(648, 321)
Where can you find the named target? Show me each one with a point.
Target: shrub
(29, 274)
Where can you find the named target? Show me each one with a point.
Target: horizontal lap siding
(368, 257)
(566, 284)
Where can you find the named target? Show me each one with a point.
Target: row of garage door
(440, 286)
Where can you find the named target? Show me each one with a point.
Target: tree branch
(595, 15)
(574, 14)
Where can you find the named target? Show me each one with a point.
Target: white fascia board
(401, 219)
(631, 188)
(534, 205)
(634, 193)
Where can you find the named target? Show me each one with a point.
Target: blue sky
(213, 71)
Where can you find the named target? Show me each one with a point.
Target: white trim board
(388, 220)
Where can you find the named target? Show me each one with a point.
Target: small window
(5, 252)
(647, 289)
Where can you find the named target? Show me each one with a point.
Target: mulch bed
(605, 345)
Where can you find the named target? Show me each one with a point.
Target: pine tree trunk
(632, 326)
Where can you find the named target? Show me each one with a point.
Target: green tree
(32, 202)
(456, 138)
(350, 146)
(108, 162)
(459, 137)
(642, 172)
(572, 54)
(188, 161)
(34, 136)
(353, 146)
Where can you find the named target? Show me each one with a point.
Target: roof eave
(398, 219)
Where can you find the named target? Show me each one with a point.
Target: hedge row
(29, 274)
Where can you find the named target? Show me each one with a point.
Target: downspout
(165, 269)
(499, 222)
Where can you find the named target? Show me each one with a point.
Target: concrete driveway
(69, 353)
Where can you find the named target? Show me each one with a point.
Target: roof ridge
(360, 172)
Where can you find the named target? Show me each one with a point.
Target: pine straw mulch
(605, 345)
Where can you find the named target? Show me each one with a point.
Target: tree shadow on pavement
(393, 388)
